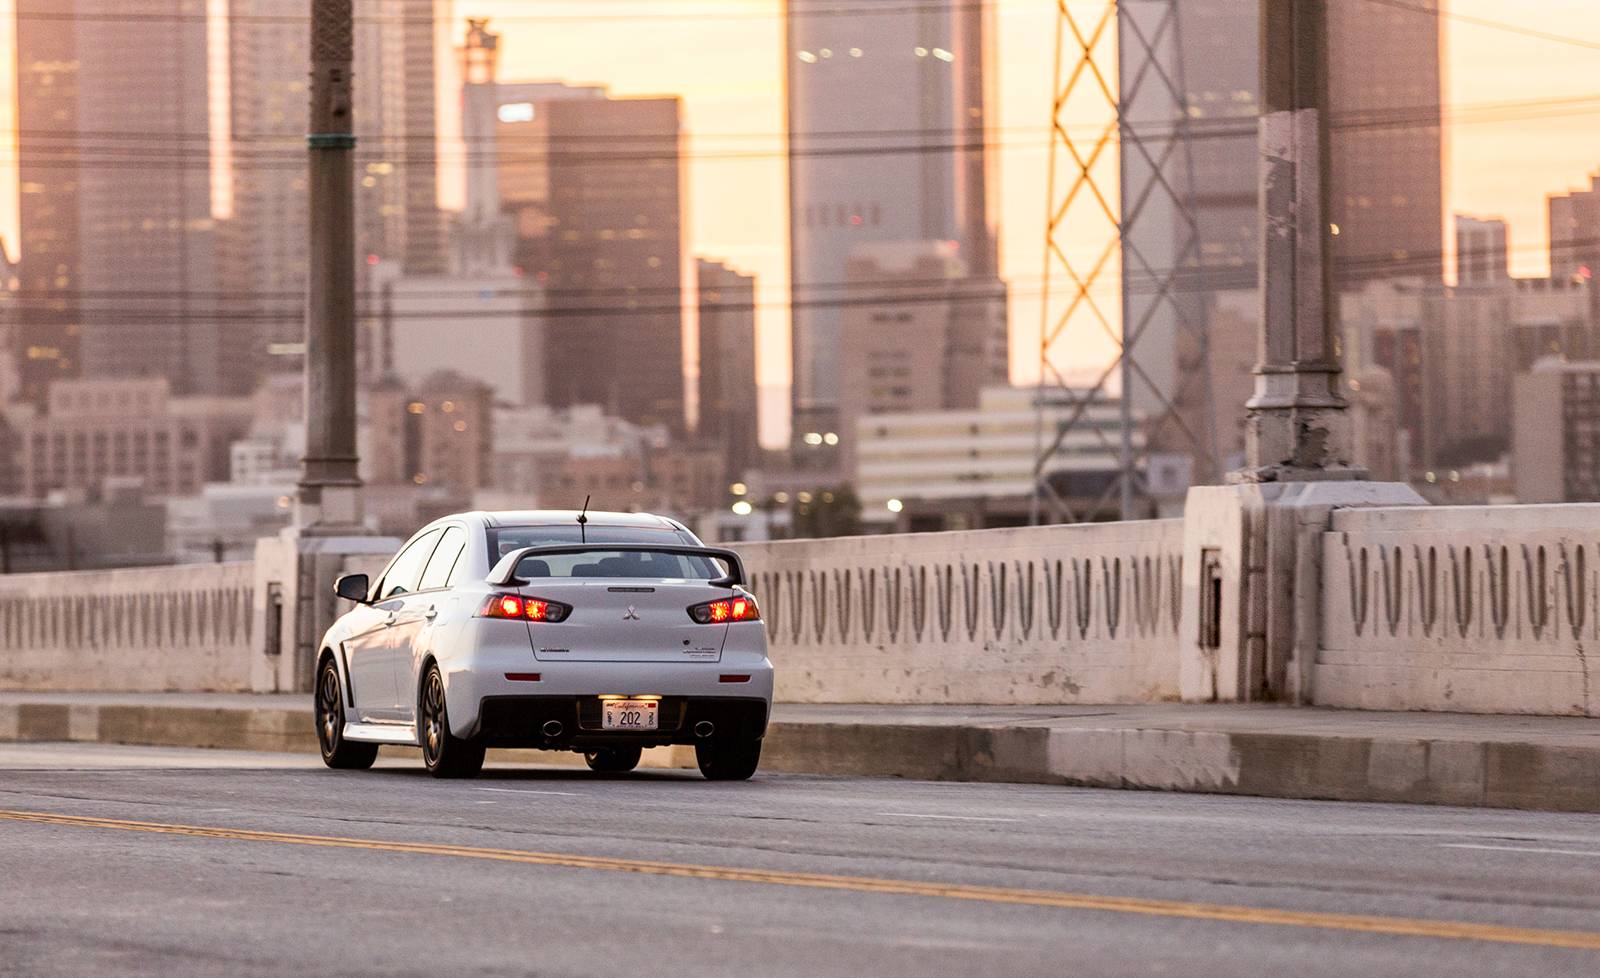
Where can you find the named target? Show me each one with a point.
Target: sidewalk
(1539, 763)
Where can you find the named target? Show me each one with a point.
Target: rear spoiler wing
(504, 573)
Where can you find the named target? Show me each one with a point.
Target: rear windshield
(602, 563)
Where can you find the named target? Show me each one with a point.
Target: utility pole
(1297, 428)
(328, 497)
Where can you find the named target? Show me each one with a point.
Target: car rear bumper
(471, 686)
(574, 722)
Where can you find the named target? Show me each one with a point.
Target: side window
(444, 558)
(406, 570)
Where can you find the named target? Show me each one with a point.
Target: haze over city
(1503, 155)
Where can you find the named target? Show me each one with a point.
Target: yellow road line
(1394, 926)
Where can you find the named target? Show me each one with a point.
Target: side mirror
(353, 587)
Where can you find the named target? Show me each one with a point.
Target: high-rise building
(1482, 251)
(600, 229)
(48, 327)
(920, 334)
(117, 230)
(728, 418)
(888, 138)
(1387, 144)
(1575, 239)
(1555, 442)
(420, 25)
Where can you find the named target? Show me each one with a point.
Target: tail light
(738, 608)
(515, 606)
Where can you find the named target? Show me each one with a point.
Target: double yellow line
(1355, 923)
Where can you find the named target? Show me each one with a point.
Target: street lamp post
(329, 489)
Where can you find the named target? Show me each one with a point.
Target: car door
(413, 628)
(369, 627)
(371, 656)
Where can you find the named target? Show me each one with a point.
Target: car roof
(567, 517)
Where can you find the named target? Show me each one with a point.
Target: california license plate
(630, 714)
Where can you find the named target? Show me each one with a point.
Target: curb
(1399, 769)
(1493, 774)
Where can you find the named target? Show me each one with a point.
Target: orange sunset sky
(725, 58)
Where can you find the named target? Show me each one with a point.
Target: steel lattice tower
(1121, 60)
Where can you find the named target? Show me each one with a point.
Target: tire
(613, 760)
(728, 759)
(337, 752)
(444, 754)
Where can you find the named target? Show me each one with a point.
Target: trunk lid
(618, 620)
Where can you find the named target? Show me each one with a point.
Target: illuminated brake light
(725, 610)
(516, 607)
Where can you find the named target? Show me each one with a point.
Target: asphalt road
(151, 861)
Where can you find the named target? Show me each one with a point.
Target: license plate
(630, 714)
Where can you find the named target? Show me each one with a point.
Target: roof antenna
(583, 521)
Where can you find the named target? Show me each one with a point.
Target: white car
(601, 633)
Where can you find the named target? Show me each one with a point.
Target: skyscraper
(1575, 239)
(1385, 87)
(593, 187)
(887, 142)
(119, 240)
(48, 326)
(419, 29)
(728, 399)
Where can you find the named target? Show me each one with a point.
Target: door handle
(431, 614)
(389, 620)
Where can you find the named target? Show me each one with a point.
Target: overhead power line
(1498, 25)
(119, 308)
(1204, 279)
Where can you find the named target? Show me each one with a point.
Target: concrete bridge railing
(1057, 614)
(145, 629)
(1477, 609)
(1471, 608)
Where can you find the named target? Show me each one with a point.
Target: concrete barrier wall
(1045, 615)
(1477, 609)
(147, 629)
(1472, 609)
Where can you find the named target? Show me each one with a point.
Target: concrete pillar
(1251, 620)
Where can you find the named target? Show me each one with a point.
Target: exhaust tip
(704, 728)
(553, 728)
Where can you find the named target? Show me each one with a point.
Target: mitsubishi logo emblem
(633, 613)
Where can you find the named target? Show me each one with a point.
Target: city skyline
(1512, 134)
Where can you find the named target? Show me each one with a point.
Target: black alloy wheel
(443, 754)
(337, 752)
